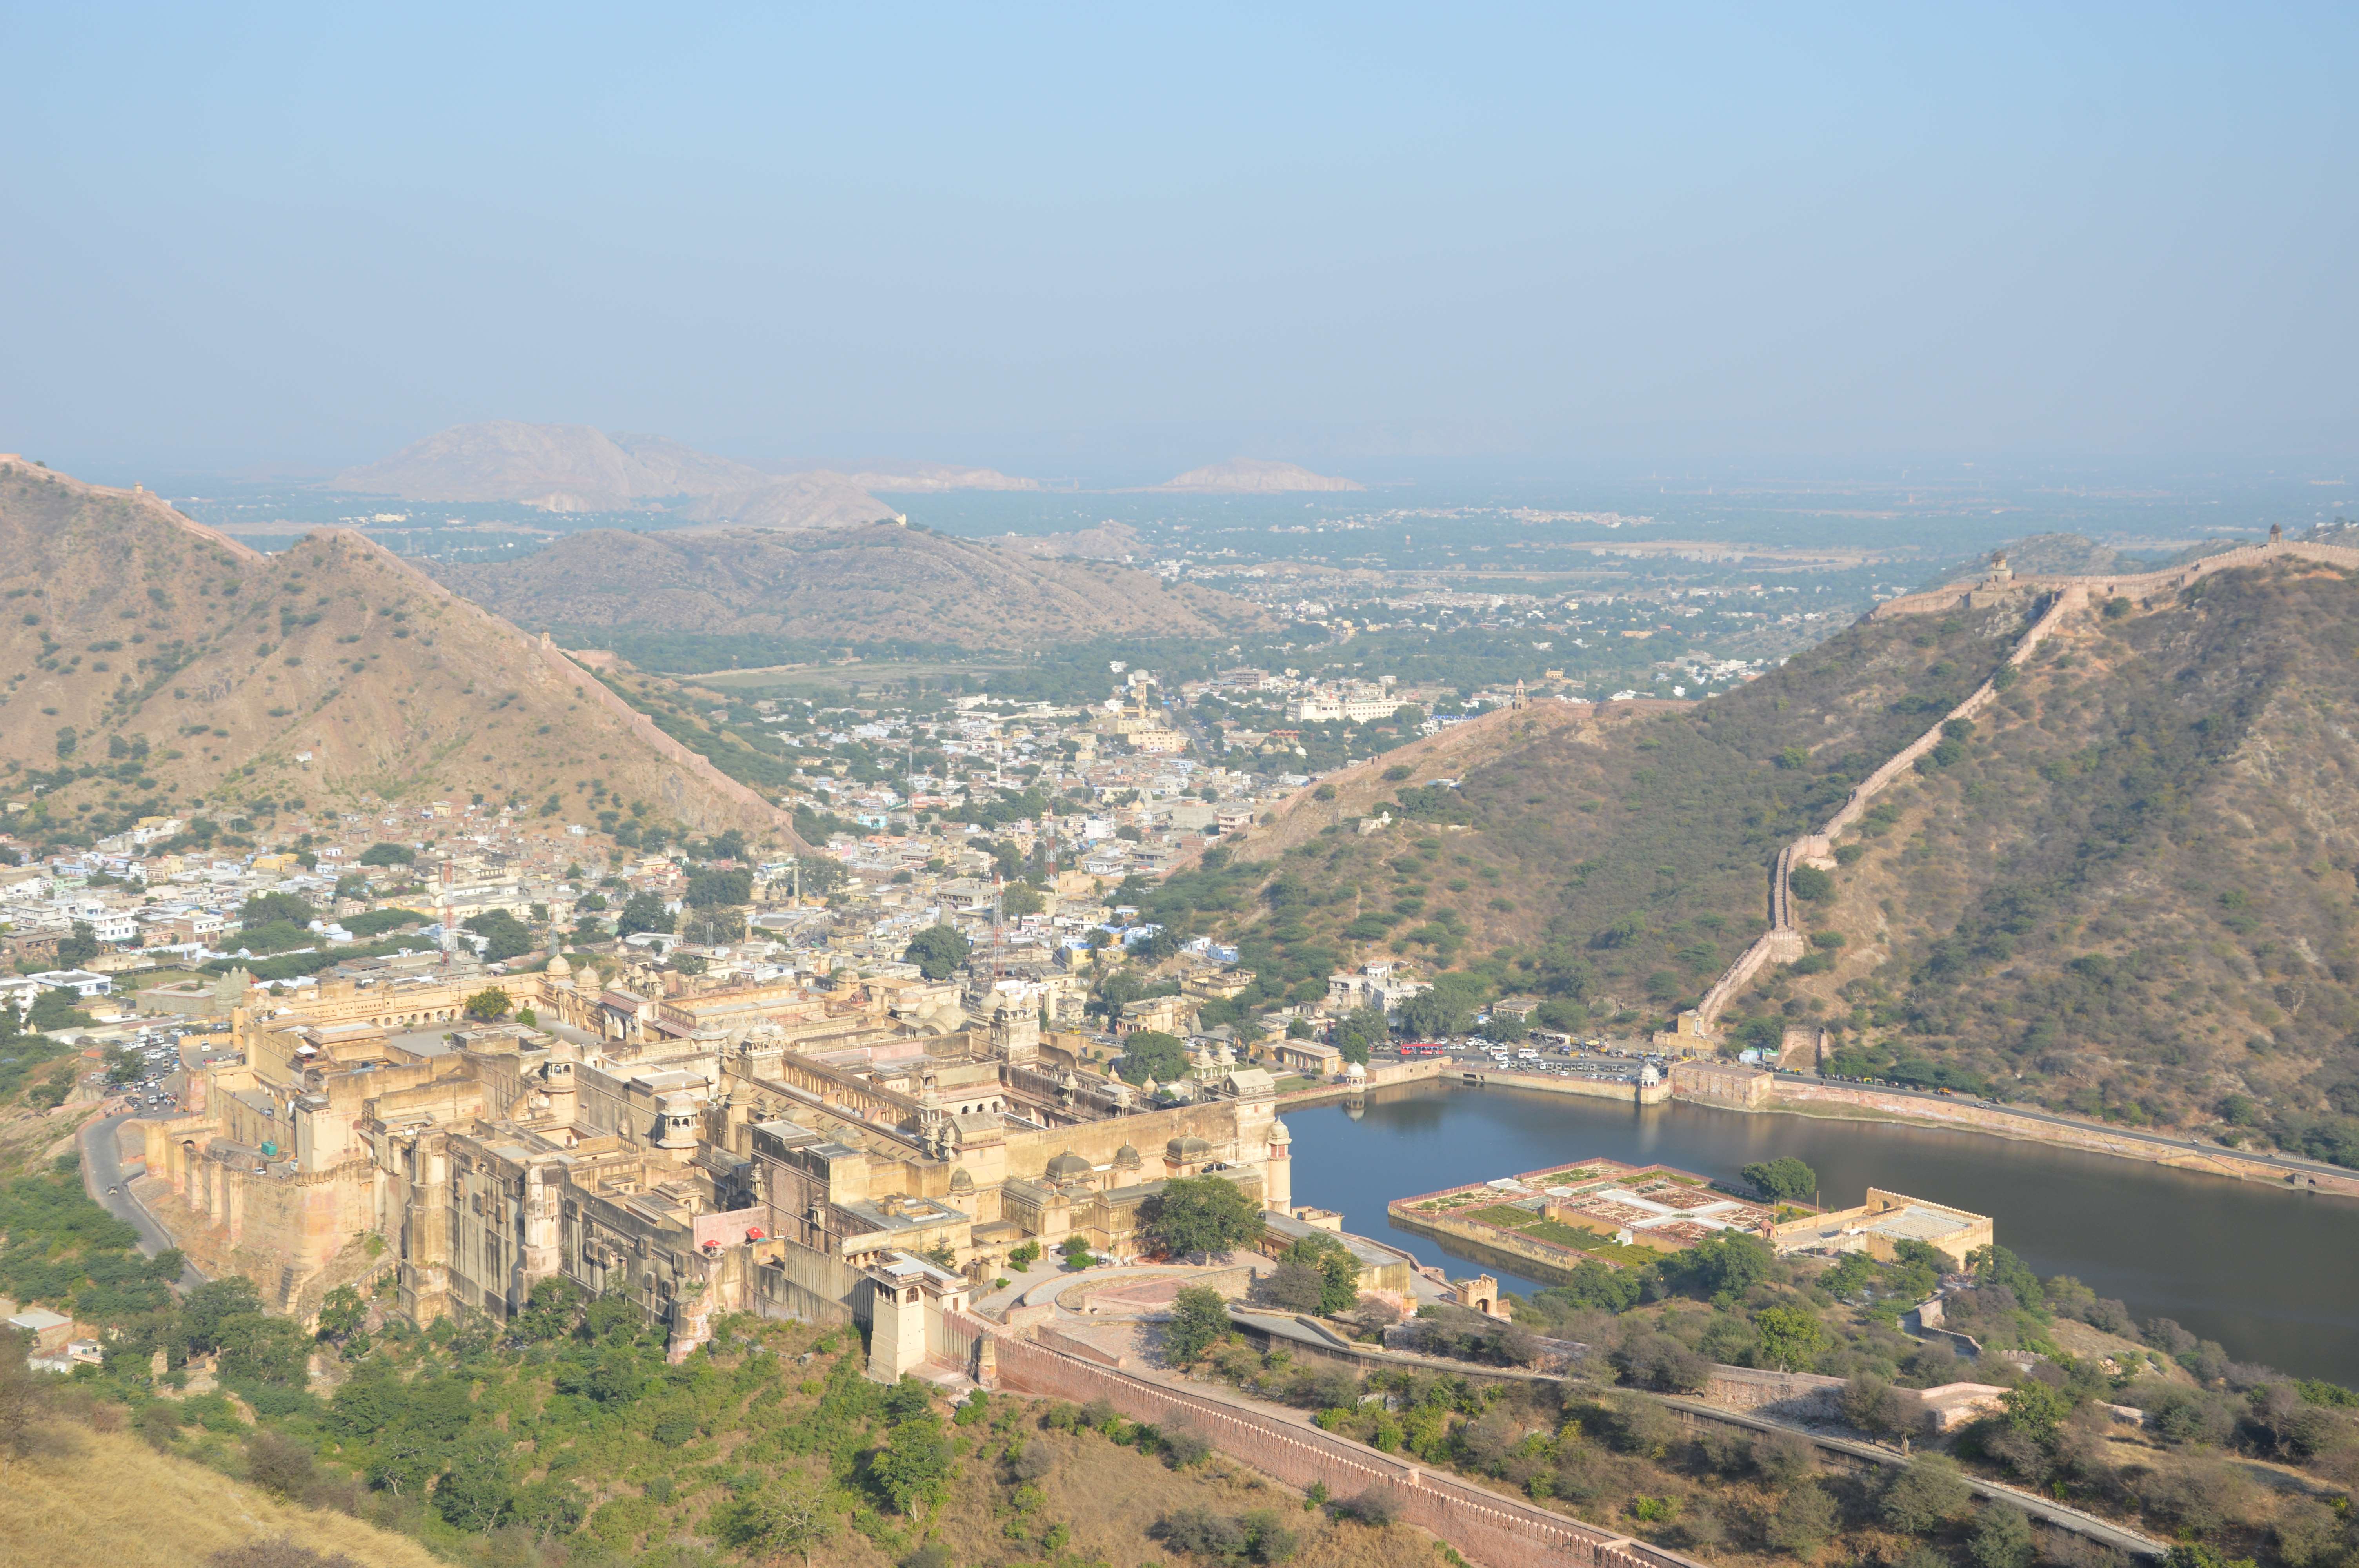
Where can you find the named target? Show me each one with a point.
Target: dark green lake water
(2273, 1276)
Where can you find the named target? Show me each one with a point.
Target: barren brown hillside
(147, 664)
(876, 584)
(103, 1499)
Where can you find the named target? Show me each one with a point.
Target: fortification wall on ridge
(1782, 943)
(2129, 585)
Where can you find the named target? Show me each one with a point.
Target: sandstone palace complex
(861, 1153)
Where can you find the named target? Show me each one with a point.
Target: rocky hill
(864, 585)
(1255, 476)
(815, 500)
(1104, 542)
(147, 664)
(927, 478)
(574, 468)
(2124, 889)
(566, 468)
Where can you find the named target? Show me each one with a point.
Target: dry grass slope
(100, 1500)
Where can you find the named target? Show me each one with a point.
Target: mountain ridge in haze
(577, 468)
(815, 499)
(927, 478)
(1255, 476)
(565, 468)
(871, 584)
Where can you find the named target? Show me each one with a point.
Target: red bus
(1421, 1048)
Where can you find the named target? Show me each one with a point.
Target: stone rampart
(1981, 696)
(1488, 1527)
(2129, 585)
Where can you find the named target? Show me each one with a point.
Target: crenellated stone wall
(2136, 585)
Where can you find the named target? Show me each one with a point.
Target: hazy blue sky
(305, 235)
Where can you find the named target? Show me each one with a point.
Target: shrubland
(2231, 1460)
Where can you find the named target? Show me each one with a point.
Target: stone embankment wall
(1380, 1076)
(1439, 1070)
(1801, 1094)
(1791, 1396)
(1553, 1084)
(1782, 943)
(1544, 1261)
(1490, 1529)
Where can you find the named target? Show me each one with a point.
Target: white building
(82, 982)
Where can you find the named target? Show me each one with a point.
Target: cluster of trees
(504, 935)
(568, 1436)
(1152, 1054)
(939, 951)
(491, 1445)
(1662, 1327)
(1705, 1487)
(1317, 1274)
(1199, 1215)
(271, 920)
(60, 1250)
(1785, 1178)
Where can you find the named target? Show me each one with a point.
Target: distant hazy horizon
(1111, 246)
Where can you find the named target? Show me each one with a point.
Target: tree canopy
(938, 951)
(487, 1004)
(1786, 1178)
(262, 908)
(1199, 1319)
(642, 912)
(1200, 1213)
(1151, 1052)
(708, 890)
(505, 937)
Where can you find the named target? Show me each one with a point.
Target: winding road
(102, 1178)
